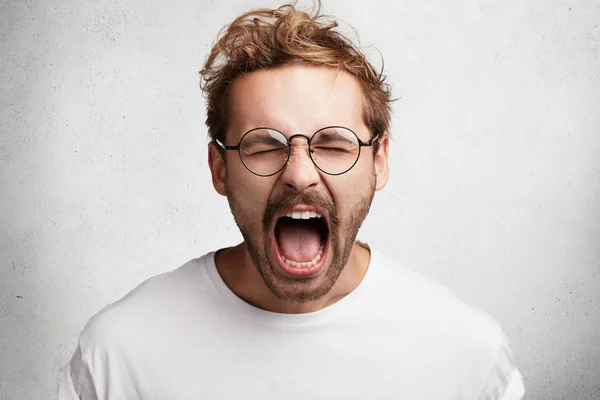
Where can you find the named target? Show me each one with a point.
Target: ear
(217, 167)
(382, 170)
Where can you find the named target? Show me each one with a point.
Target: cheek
(356, 182)
(351, 190)
(345, 190)
(250, 192)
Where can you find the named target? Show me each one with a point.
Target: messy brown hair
(265, 38)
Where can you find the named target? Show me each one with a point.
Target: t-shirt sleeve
(75, 381)
(504, 381)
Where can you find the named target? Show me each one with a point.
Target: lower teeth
(304, 264)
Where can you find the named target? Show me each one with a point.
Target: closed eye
(264, 152)
(332, 149)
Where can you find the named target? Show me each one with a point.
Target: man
(299, 124)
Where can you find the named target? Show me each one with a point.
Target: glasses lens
(264, 151)
(334, 150)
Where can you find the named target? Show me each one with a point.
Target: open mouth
(301, 242)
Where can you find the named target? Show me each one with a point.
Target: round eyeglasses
(265, 151)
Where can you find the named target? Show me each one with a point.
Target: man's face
(299, 259)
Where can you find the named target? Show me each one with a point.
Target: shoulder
(116, 343)
(146, 308)
(431, 308)
(440, 323)
(428, 299)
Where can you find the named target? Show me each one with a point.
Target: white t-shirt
(185, 335)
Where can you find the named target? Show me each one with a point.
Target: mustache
(287, 200)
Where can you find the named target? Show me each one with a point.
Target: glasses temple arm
(225, 147)
(369, 142)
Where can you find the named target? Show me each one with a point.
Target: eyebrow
(328, 139)
(325, 133)
(327, 136)
(250, 141)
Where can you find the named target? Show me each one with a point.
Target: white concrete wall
(495, 185)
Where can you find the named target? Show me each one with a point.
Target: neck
(241, 276)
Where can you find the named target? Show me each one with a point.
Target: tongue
(299, 241)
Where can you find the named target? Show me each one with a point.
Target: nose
(300, 173)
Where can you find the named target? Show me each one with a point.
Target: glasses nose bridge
(292, 156)
(298, 135)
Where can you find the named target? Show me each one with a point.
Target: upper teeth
(303, 215)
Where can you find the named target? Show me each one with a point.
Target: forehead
(296, 98)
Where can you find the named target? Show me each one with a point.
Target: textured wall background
(495, 186)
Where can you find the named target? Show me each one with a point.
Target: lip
(301, 207)
(305, 271)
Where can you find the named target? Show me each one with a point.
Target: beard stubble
(257, 235)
